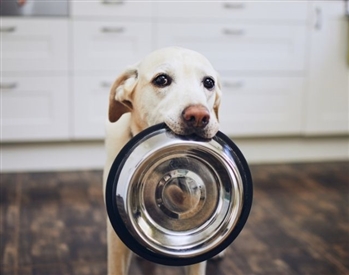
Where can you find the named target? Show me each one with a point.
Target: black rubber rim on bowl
(144, 252)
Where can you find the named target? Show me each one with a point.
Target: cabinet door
(243, 47)
(91, 100)
(261, 106)
(233, 10)
(112, 8)
(34, 108)
(34, 44)
(109, 45)
(328, 98)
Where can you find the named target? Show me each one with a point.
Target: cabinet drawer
(261, 106)
(114, 8)
(251, 10)
(34, 45)
(91, 100)
(109, 45)
(34, 108)
(240, 47)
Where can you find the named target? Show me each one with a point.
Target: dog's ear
(120, 98)
(217, 101)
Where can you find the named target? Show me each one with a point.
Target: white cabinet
(239, 46)
(263, 105)
(34, 83)
(282, 64)
(112, 8)
(258, 47)
(34, 108)
(233, 10)
(328, 90)
(109, 45)
(91, 97)
(107, 36)
(34, 45)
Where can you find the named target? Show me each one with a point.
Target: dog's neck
(135, 127)
(131, 133)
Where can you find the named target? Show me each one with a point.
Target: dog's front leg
(119, 256)
(196, 269)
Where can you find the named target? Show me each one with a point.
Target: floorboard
(54, 223)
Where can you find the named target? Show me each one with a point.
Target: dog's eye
(208, 83)
(162, 80)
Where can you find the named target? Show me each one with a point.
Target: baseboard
(297, 149)
(52, 156)
(91, 154)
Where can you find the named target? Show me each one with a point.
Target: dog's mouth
(208, 132)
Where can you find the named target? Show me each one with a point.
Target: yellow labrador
(172, 85)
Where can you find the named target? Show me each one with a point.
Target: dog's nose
(196, 116)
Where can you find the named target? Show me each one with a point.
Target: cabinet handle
(8, 29)
(113, 29)
(8, 86)
(234, 84)
(114, 2)
(318, 18)
(234, 6)
(234, 32)
(105, 84)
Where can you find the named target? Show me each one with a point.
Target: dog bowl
(178, 200)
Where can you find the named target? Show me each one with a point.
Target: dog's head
(172, 85)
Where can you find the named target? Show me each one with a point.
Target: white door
(259, 106)
(328, 98)
(112, 8)
(237, 46)
(109, 45)
(34, 108)
(34, 45)
(234, 10)
(91, 100)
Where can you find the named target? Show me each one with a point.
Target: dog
(173, 85)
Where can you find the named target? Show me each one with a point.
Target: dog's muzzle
(178, 200)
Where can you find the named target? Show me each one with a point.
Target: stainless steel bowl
(178, 200)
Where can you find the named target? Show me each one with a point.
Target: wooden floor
(54, 223)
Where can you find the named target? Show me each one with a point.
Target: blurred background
(284, 69)
(283, 66)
